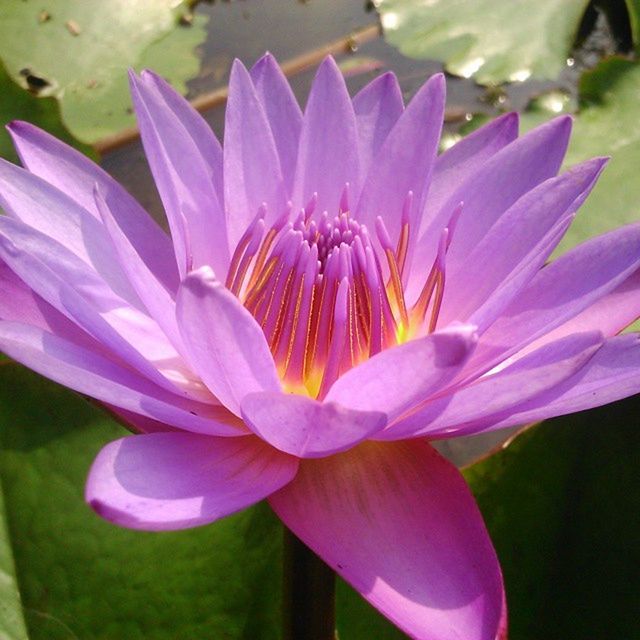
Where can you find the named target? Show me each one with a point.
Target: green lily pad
(562, 505)
(16, 103)
(78, 51)
(633, 7)
(12, 626)
(493, 42)
(81, 577)
(608, 124)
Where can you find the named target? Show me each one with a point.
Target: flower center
(326, 296)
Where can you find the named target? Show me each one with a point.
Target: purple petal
(396, 380)
(224, 343)
(528, 377)
(252, 172)
(19, 303)
(560, 291)
(75, 175)
(489, 191)
(34, 202)
(282, 111)
(377, 107)
(398, 522)
(612, 374)
(610, 314)
(163, 481)
(512, 244)
(307, 428)
(71, 287)
(87, 371)
(196, 126)
(405, 162)
(328, 154)
(467, 156)
(157, 300)
(184, 177)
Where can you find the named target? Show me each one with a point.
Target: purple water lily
(333, 295)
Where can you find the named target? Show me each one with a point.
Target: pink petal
(307, 428)
(223, 341)
(612, 374)
(488, 192)
(528, 377)
(87, 371)
(328, 154)
(398, 522)
(252, 172)
(560, 291)
(163, 481)
(282, 111)
(75, 175)
(396, 380)
(405, 162)
(377, 107)
(184, 177)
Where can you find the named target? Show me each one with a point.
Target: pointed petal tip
(18, 126)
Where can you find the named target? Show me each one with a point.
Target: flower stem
(308, 611)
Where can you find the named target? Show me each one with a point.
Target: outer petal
(31, 200)
(507, 246)
(490, 191)
(195, 125)
(405, 161)
(396, 380)
(328, 156)
(19, 303)
(307, 428)
(71, 287)
(283, 113)
(163, 481)
(612, 374)
(75, 175)
(252, 172)
(398, 522)
(87, 371)
(223, 341)
(377, 107)
(184, 178)
(610, 314)
(560, 291)
(158, 301)
(459, 162)
(527, 378)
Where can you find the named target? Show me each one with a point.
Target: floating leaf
(78, 51)
(16, 103)
(491, 41)
(562, 505)
(83, 578)
(12, 626)
(608, 124)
